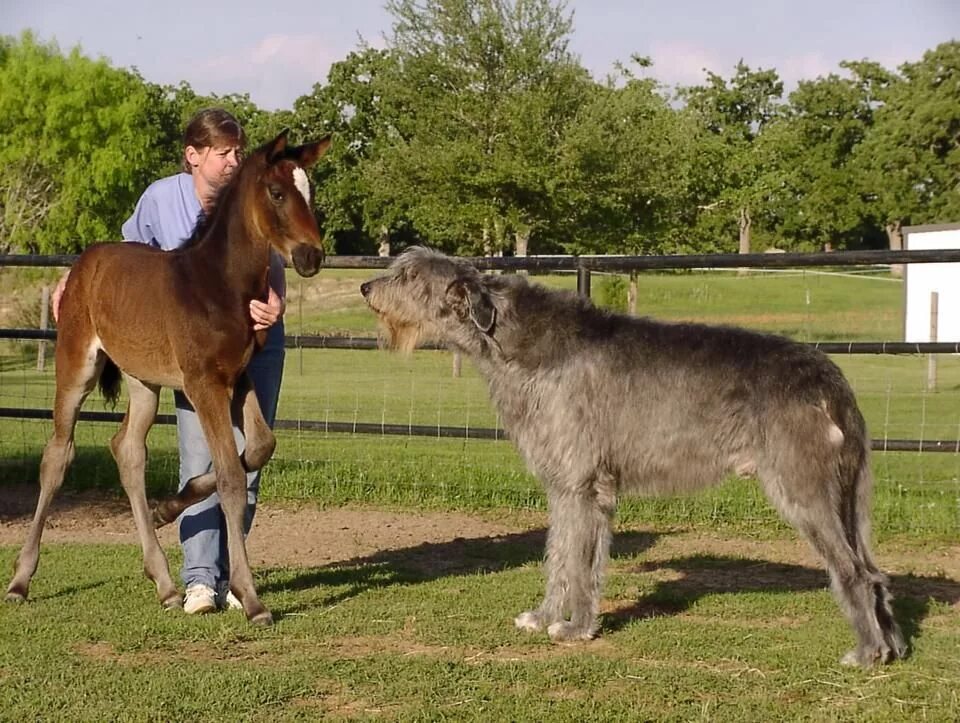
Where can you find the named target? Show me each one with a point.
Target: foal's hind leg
(258, 446)
(79, 363)
(578, 547)
(130, 451)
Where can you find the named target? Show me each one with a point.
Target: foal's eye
(276, 194)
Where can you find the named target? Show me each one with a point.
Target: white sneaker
(199, 599)
(230, 602)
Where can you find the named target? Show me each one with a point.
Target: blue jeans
(203, 529)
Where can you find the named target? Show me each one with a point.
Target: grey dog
(602, 404)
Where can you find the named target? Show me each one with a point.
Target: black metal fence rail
(583, 266)
(359, 343)
(610, 263)
(438, 431)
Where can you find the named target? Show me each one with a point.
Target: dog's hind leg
(578, 547)
(811, 508)
(855, 505)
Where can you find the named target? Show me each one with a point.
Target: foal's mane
(208, 220)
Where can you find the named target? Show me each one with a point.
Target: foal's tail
(109, 382)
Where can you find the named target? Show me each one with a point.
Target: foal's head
(280, 210)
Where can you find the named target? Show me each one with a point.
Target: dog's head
(427, 295)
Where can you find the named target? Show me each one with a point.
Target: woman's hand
(266, 314)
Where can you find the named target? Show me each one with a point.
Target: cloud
(275, 70)
(681, 63)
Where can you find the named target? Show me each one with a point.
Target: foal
(180, 319)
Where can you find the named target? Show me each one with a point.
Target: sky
(276, 51)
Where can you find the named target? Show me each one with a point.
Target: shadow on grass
(702, 575)
(432, 561)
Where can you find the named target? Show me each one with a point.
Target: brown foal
(180, 319)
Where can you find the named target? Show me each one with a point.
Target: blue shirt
(166, 214)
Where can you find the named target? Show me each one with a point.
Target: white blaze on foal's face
(302, 184)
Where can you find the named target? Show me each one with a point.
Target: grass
(393, 637)
(708, 625)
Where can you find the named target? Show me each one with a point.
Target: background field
(712, 609)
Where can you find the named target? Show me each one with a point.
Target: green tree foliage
(734, 113)
(911, 157)
(626, 170)
(809, 179)
(485, 90)
(357, 106)
(84, 137)
(477, 130)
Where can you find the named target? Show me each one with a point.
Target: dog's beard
(401, 335)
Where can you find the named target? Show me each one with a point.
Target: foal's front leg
(212, 403)
(259, 443)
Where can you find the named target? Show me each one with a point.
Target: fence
(583, 266)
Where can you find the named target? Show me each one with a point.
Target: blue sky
(276, 51)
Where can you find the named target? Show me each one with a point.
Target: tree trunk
(895, 238)
(522, 239)
(384, 248)
(745, 223)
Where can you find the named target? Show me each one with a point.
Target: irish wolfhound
(602, 404)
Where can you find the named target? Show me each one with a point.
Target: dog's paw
(868, 657)
(564, 632)
(529, 620)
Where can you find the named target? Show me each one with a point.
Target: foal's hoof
(528, 620)
(173, 603)
(262, 620)
(160, 518)
(15, 597)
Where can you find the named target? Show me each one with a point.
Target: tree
(85, 137)
(625, 169)
(808, 174)
(485, 89)
(911, 157)
(736, 113)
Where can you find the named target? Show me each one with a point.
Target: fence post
(44, 323)
(583, 281)
(932, 358)
(457, 363)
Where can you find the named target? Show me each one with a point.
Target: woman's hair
(212, 127)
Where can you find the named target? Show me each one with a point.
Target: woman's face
(214, 164)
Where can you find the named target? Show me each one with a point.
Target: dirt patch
(282, 535)
(698, 561)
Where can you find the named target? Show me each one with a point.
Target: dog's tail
(109, 382)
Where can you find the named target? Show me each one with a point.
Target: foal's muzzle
(307, 259)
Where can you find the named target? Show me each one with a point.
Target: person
(165, 217)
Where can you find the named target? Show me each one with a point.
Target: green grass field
(703, 619)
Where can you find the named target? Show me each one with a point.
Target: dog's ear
(469, 300)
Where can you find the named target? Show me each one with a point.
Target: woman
(165, 217)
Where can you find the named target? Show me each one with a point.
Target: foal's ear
(276, 149)
(307, 154)
(469, 300)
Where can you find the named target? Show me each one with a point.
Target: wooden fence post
(44, 323)
(932, 358)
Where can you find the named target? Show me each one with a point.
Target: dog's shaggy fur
(602, 404)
